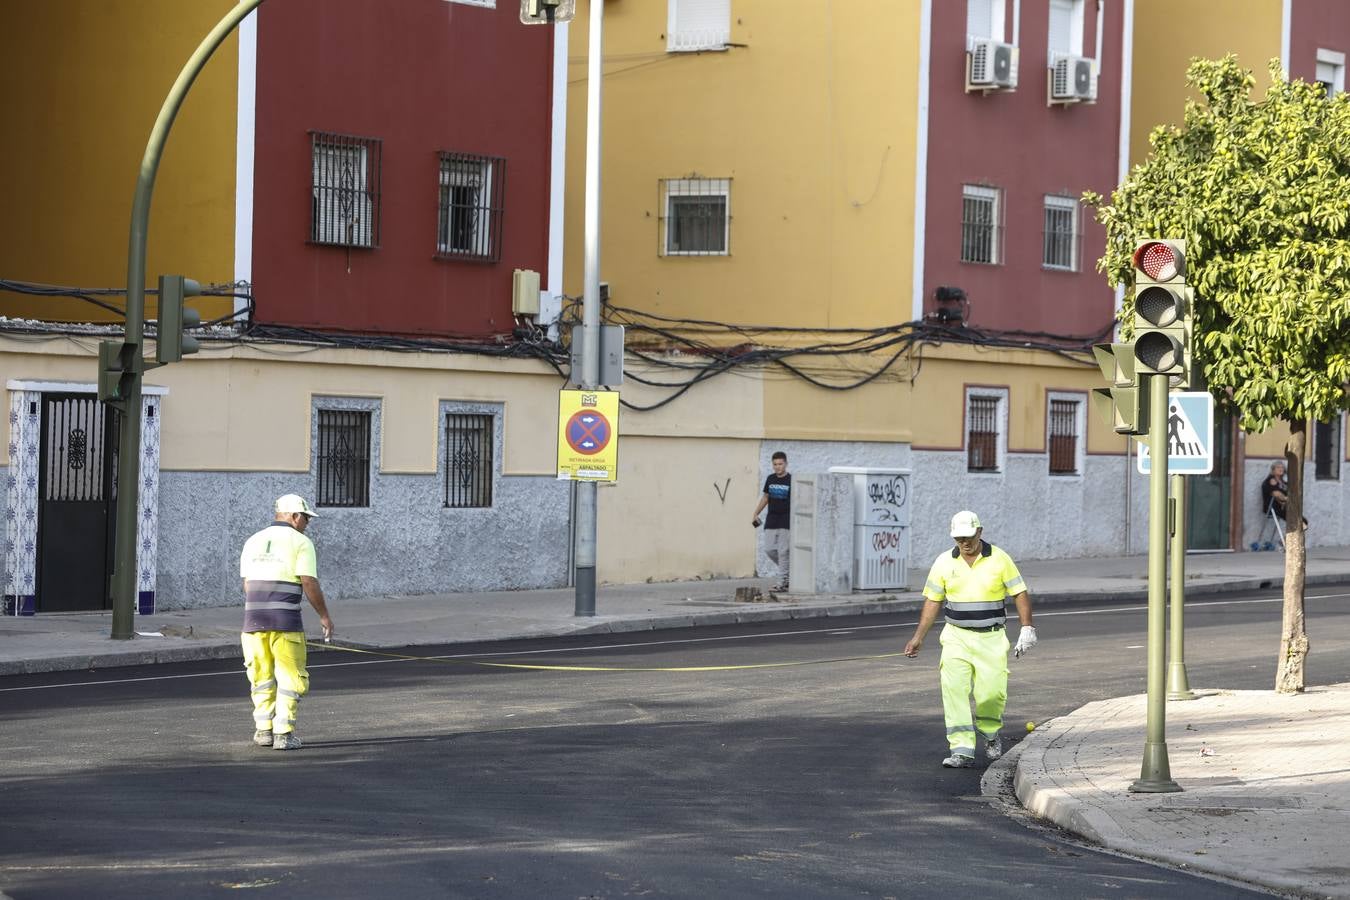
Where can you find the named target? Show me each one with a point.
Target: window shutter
(699, 24)
(1061, 27)
(980, 19)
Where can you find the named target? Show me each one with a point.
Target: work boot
(287, 741)
(993, 746)
(959, 761)
(263, 737)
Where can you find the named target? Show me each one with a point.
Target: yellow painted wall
(813, 119)
(81, 82)
(1169, 33)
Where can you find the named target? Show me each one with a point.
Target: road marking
(637, 644)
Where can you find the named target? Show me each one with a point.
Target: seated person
(1275, 492)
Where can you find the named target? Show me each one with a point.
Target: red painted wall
(1317, 24)
(423, 76)
(1016, 142)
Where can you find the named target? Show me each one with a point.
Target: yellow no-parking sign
(588, 435)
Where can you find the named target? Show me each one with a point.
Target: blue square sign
(1190, 435)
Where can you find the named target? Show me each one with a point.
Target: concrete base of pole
(1156, 776)
(1178, 687)
(585, 604)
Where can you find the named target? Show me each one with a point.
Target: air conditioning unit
(1073, 78)
(991, 65)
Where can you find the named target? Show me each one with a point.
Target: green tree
(1258, 188)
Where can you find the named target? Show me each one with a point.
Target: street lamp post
(129, 432)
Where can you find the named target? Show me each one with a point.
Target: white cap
(294, 503)
(965, 524)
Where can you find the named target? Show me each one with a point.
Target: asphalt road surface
(813, 772)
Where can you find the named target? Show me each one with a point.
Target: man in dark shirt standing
(777, 497)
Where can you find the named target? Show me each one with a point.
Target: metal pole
(129, 432)
(1156, 775)
(585, 552)
(1178, 688)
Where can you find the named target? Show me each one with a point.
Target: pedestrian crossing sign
(1190, 435)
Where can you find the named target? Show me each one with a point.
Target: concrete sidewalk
(1268, 801)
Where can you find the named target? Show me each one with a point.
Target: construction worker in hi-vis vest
(973, 582)
(278, 566)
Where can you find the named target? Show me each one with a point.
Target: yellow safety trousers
(275, 662)
(973, 662)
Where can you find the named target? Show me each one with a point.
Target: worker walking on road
(972, 583)
(278, 565)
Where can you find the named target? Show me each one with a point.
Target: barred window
(980, 230)
(468, 460)
(1061, 234)
(1062, 425)
(345, 207)
(696, 216)
(472, 193)
(1327, 450)
(343, 458)
(982, 432)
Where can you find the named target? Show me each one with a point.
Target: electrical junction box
(525, 292)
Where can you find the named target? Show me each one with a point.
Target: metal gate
(77, 494)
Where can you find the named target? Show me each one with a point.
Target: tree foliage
(1260, 191)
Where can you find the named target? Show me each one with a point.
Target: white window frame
(678, 188)
(1335, 61)
(1001, 422)
(995, 197)
(481, 181)
(486, 4)
(1074, 8)
(984, 21)
(696, 25)
(330, 229)
(1060, 203)
(1079, 431)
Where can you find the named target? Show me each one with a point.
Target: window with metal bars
(980, 231)
(982, 432)
(472, 194)
(696, 217)
(1327, 450)
(1060, 246)
(468, 460)
(1062, 425)
(343, 458)
(345, 197)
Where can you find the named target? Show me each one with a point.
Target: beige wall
(816, 116)
(81, 82)
(667, 485)
(1169, 33)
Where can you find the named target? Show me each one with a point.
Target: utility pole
(129, 401)
(585, 546)
(1178, 688)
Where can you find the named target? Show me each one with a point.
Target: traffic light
(116, 368)
(171, 344)
(1163, 312)
(1123, 405)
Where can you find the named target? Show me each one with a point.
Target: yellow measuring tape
(543, 668)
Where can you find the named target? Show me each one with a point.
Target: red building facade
(402, 164)
(1006, 166)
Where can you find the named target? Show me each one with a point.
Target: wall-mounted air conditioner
(991, 66)
(1073, 79)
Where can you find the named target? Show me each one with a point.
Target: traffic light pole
(129, 430)
(1156, 776)
(1178, 688)
(584, 548)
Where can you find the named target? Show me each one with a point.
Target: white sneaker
(993, 746)
(959, 761)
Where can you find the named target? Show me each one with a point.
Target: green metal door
(1210, 497)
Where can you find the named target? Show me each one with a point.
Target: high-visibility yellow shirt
(974, 595)
(272, 563)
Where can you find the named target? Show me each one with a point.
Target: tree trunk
(1293, 633)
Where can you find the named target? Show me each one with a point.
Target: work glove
(1026, 639)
